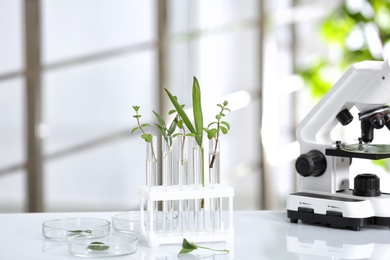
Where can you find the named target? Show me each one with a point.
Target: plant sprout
(165, 132)
(196, 130)
(218, 126)
(146, 136)
(180, 125)
(188, 247)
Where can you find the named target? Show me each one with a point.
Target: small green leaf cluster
(162, 127)
(146, 136)
(188, 247)
(214, 128)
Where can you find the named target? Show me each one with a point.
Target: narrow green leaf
(173, 125)
(137, 116)
(227, 109)
(171, 112)
(136, 108)
(226, 124)
(220, 106)
(197, 110)
(178, 134)
(163, 132)
(134, 129)
(160, 120)
(181, 112)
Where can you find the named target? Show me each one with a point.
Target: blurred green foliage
(346, 30)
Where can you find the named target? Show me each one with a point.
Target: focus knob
(312, 163)
(367, 185)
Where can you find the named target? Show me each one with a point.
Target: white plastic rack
(162, 227)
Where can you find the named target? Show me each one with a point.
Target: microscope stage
(362, 151)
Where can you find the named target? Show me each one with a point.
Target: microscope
(324, 195)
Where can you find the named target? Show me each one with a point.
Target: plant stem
(216, 250)
(182, 146)
(216, 140)
(202, 152)
(211, 165)
(151, 143)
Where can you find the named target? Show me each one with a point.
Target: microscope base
(332, 211)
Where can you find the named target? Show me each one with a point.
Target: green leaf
(225, 103)
(213, 133)
(134, 129)
(173, 125)
(176, 135)
(185, 251)
(181, 112)
(137, 116)
(188, 247)
(197, 110)
(163, 132)
(98, 246)
(224, 130)
(136, 108)
(226, 124)
(145, 125)
(171, 112)
(160, 120)
(218, 117)
(79, 231)
(227, 109)
(180, 124)
(147, 137)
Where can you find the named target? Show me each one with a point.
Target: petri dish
(112, 244)
(62, 229)
(128, 222)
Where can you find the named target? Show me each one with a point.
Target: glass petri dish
(128, 222)
(112, 244)
(62, 229)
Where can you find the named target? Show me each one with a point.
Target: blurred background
(70, 72)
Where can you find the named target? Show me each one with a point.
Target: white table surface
(258, 235)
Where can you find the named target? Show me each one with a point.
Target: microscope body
(323, 184)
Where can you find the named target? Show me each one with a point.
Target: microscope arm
(365, 85)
